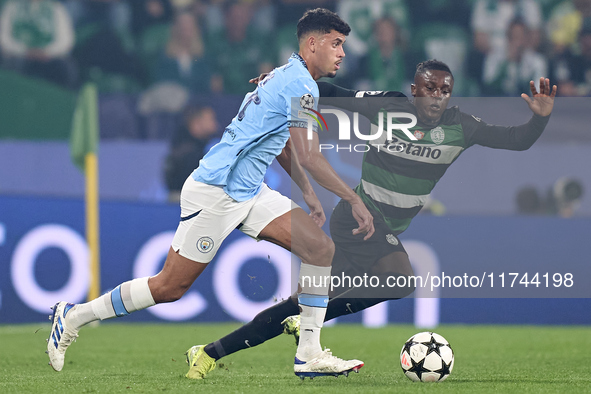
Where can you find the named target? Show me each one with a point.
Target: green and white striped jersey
(398, 174)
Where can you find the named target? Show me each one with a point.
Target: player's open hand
(259, 78)
(364, 219)
(541, 103)
(316, 211)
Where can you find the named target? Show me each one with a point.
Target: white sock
(128, 297)
(313, 300)
(311, 319)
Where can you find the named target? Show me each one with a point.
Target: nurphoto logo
(344, 123)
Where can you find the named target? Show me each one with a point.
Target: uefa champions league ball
(427, 357)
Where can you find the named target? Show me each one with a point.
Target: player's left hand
(316, 211)
(541, 103)
(363, 218)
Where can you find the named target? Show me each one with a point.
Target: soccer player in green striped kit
(398, 175)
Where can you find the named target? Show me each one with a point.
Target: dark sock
(357, 299)
(264, 326)
(346, 306)
(267, 324)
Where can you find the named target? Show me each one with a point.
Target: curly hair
(321, 20)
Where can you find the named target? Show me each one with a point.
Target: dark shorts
(356, 257)
(356, 252)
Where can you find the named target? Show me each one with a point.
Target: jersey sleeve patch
(301, 103)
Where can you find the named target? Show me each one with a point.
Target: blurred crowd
(150, 59)
(494, 47)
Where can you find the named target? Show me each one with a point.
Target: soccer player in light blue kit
(227, 192)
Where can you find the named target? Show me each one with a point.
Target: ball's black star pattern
(432, 346)
(407, 346)
(444, 370)
(418, 368)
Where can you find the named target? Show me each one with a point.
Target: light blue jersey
(259, 132)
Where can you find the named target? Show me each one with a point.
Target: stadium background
(121, 46)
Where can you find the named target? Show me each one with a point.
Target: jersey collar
(296, 56)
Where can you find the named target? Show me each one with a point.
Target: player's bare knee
(328, 248)
(320, 251)
(167, 292)
(174, 293)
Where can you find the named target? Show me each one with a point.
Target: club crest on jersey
(418, 134)
(204, 244)
(392, 240)
(437, 135)
(307, 101)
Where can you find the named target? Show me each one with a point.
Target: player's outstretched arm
(366, 103)
(368, 108)
(291, 165)
(541, 103)
(310, 157)
(514, 137)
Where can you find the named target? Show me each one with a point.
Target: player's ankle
(79, 316)
(210, 350)
(72, 320)
(308, 353)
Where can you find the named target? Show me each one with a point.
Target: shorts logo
(437, 135)
(419, 134)
(392, 239)
(205, 244)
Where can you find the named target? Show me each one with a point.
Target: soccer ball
(427, 357)
(307, 101)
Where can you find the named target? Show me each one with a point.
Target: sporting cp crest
(392, 239)
(307, 101)
(205, 244)
(419, 134)
(437, 135)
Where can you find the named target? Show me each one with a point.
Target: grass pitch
(146, 358)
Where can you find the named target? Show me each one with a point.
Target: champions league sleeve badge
(307, 101)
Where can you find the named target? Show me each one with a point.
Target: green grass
(145, 358)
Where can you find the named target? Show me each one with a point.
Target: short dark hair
(321, 20)
(432, 64)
